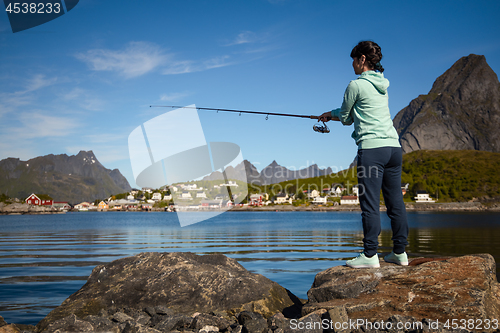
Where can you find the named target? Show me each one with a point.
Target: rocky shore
(184, 292)
(22, 208)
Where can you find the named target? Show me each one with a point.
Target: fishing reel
(321, 129)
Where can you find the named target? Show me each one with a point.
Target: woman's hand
(327, 116)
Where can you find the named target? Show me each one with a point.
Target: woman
(379, 154)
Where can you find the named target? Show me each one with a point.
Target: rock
(209, 329)
(180, 282)
(150, 311)
(460, 112)
(237, 329)
(121, 317)
(338, 319)
(204, 319)
(175, 322)
(463, 288)
(102, 324)
(163, 310)
(68, 324)
(2, 322)
(253, 322)
(15, 208)
(26, 328)
(276, 321)
(9, 329)
(311, 323)
(132, 327)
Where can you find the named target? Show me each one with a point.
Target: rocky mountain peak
(461, 111)
(468, 77)
(72, 178)
(88, 157)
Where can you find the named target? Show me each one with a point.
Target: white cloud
(36, 125)
(16, 150)
(10, 101)
(137, 59)
(180, 67)
(84, 99)
(244, 37)
(189, 66)
(38, 82)
(217, 62)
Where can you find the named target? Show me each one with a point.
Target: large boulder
(454, 288)
(183, 283)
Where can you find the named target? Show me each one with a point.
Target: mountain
(73, 178)
(460, 112)
(271, 174)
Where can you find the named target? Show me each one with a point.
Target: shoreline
(410, 207)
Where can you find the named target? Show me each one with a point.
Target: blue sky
(84, 81)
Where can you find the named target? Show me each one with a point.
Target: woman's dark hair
(371, 51)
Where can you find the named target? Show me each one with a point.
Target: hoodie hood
(377, 79)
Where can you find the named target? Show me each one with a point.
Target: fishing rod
(316, 128)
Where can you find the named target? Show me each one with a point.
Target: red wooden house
(39, 200)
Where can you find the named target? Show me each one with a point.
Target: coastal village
(192, 197)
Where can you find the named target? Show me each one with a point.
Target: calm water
(46, 258)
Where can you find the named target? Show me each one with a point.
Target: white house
(319, 200)
(313, 194)
(186, 195)
(82, 206)
(355, 190)
(211, 204)
(130, 197)
(349, 200)
(404, 188)
(147, 189)
(156, 196)
(230, 183)
(337, 192)
(281, 198)
(423, 196)
(201, 194)
(167, 197)
(255, 200)
(190, 187)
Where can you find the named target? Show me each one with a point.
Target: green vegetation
(453, 175)
(345, 179)
(4, 198)
(450, 175)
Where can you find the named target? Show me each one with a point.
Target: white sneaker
(362, 261)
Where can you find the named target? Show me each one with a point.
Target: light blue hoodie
(366, 104)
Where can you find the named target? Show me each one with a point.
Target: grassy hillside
(451, 175)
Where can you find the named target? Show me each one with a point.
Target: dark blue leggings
(380, 168)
